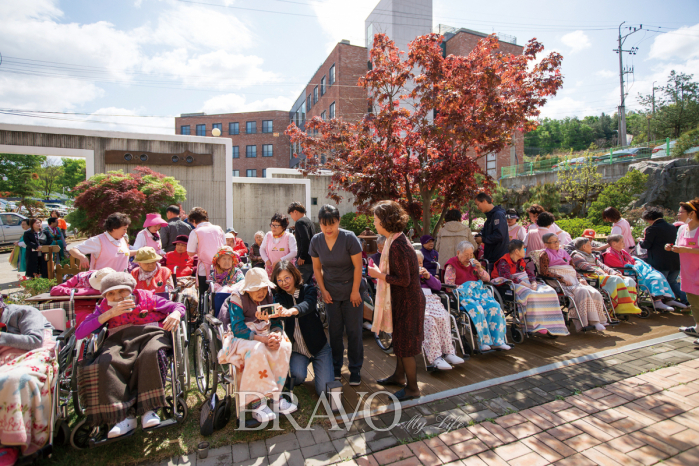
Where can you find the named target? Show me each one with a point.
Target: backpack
(215, 414)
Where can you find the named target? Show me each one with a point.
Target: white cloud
(682, 43)
(577, 41)
(564, 106)
(232, 103)
(606, 74)
(341, 19)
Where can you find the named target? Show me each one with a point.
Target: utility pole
(622, 72)
(653, 116)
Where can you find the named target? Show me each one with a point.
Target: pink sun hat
(154, 219)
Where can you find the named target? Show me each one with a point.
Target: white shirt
(292, 247)
(93, 245)
(687, 233)
(141, 242)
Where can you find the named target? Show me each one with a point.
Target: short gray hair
(463, 245)
(547, 237)
(261, 233)
(580, 242)
(381, 239)
(419, 254)
(614, 239)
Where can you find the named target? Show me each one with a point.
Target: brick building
(258, 137)
(332, 92)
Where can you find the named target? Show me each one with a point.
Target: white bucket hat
(255, 280)
(97, 276)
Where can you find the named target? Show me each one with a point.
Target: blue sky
(123, 59)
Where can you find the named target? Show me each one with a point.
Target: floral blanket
(25, 401)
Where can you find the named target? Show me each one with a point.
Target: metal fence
(606, 156)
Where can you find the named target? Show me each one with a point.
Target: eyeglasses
(284, 280)
(275, 225)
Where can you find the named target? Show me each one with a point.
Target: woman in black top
(33, 238)
(657, 235)
(303, 327)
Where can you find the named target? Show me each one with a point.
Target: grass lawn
(180, 439)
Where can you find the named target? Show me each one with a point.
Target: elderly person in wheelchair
(617, 256)
(127, 375)
(621, 289)
(542, 310)
(555, 263)
(256, 345)
(464, 271)
(27, 368)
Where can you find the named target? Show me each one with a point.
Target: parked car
(660, 151)
(11, 227)
(569, 163)
(62, 209)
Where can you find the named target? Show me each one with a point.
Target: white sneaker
(367, 325)
(453, 359)
(502, 347)
(122, 428)
(263, 415)
(599, 327)
(441, 364)
(149, 419)
(662, 306)
(284, 406)
(674, 303)
(485, 348)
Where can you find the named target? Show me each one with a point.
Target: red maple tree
(432, 118)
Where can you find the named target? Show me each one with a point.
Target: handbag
(215, 414)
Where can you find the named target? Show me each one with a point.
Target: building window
(331, 76)
(217, 125)
(251, 173)
(201, 130)
(267, 150)
(308, 102)
(492, 165)
(250, 127)
(185, 130)
(322, 86)
(322, 116)
(331, 112)
(236, 172)
(322, 160)
(264, 173)
(250, 152)
(315, 95)
(236, 152)
(266, 126)
(233, 128)
(314, 201)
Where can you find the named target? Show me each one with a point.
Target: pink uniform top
(534, 241)
(145, 238)
(276, 252)
(206, 240)
(689, 270)
(116, 257)
(516, 232)
(623, 228)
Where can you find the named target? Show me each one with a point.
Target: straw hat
(147, 255)
(97, 276)
(117, 281)
(154, 219)
(255, 280)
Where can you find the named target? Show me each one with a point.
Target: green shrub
(686, 141)
(576, 226)
(618, 194)
(357, 223)
(35, 286)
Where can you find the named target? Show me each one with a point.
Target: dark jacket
(35, 260)
(657, 236)
(495, 235)
(303, 232)
(168, 234)
(308, 318)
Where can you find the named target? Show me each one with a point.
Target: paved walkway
(638, 407)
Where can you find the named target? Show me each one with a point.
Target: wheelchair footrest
(163, 424)
(613, 323)
(105, 441)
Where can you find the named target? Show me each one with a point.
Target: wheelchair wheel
(465, 332)
(77, 407)
(517, 334)
(202, 371)
(385, 341)
(645, 312)
(182, 410)
(61, 433)
(181, 353)
(83, 432)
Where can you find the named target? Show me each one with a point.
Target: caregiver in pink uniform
(687, 246)
(150, 236)
(204, 241)
(108, 249)
(278, 244)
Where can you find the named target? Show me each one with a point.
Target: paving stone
(424, 453)
(542, 449)
(383, 443)
(490, 459)
(320, 435)
(582, 442)
(277, 448)
(188, 460)
(392, 455)
(524, 430)
(262, 461)
(469, 448)
(324, 459)
(258, 449)
(564, 432)
(510, 420)
(512, 451)
(615, 455)
(530, 459)
(241, 452)
(344, 448)
(218, 457)
(318, 449)
(499, 432)
(647, 455)
(483, 415)
(305, 438)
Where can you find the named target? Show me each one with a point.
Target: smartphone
(269, 309)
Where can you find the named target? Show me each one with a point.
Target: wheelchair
(384, 340)
(208, 338)
(644, 299)
(83, 435)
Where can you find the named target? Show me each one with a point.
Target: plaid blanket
(124, 378)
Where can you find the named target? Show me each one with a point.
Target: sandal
(402, 396)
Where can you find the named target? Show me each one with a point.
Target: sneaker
(355, 379)
(691, 331)
(367, 325)
(676, 304)
(124, 427)
(453, 359)
(485, 348)
(599, 327)
(283, 406)
(441, 364)
(503, 347)
(264, 415)
(149, 419)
